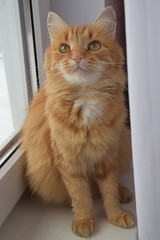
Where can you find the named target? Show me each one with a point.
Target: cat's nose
(77, 59)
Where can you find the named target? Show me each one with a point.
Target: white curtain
(143, 57)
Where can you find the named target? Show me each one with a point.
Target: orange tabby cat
(75, 136)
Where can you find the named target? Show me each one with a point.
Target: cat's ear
(107, 18)
(54, 22)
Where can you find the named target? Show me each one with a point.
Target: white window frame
(14, 64)
(12, 181)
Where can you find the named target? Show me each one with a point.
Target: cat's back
(35, 125)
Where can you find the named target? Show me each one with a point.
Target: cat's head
(82, 54)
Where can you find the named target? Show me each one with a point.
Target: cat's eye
(64, 48)
(94, 46)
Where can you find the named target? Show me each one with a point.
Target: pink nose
(77, 59)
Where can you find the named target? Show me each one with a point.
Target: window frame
(12, 181)
(26, 62)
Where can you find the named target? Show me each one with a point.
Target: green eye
(94, 46)
(64, 48)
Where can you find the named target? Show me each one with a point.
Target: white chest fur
(90, 107)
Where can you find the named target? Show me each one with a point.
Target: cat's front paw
(83, 228)
(124, 220)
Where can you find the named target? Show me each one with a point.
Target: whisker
(101, 75)
(115, 78)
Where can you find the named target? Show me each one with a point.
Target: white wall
(78, 11)
(40, 12)
(143, 54)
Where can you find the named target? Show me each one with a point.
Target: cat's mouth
(79, 70)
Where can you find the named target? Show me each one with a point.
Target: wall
(119, 9)
(40, 10)
(78, 12)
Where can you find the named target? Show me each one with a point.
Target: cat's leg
(125, 194)
(79, 190)
(108, 183)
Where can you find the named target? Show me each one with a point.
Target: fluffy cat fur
(75, 136)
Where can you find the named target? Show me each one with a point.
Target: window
(16, 71)
(6, 123)
(18, 83)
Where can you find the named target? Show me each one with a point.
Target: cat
(75, 137)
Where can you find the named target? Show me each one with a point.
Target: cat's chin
(81, 76)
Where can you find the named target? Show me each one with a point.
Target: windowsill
(34, 220)
(12, 184)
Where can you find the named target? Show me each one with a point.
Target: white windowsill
(12, 184)
(34, 220)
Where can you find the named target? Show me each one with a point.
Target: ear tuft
(107, 18)
(54, 22)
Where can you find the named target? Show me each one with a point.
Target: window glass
(6, 123)
(15, 80)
